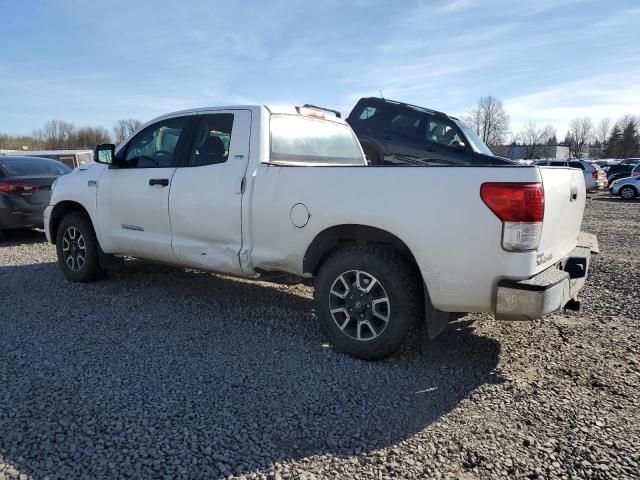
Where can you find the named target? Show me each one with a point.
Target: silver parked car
(629, 187)
(594, 176)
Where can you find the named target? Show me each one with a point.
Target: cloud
(448, 7)
(604, 95)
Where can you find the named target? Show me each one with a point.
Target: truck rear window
(298, 139)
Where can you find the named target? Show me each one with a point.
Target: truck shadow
(22, 237)
(615, 199)
(167, 371)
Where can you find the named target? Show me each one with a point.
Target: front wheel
(366, 300)
(628, 193)
(77, 248)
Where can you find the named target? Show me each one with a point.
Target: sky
(93, 63)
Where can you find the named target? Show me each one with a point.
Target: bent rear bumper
(549, 290)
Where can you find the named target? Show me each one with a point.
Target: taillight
(520, 207)
(594, 174)
(17, 187)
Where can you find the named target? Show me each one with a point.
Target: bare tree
(56, 134)
(123, 128)
(89, 137)
(489, 120)
(581, 133)
(17, 142)
(603, 129)
(536, 139)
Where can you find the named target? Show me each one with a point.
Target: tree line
(604, 139)
(62, 135)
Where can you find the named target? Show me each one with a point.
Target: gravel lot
(158, 372)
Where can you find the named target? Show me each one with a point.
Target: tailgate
(564, 200)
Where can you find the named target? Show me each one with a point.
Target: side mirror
(458, 146)
(104, 153)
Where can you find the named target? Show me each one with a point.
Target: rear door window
(405, 124)
(557, 164)
(212, 140)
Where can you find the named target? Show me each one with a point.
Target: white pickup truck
(257, 191)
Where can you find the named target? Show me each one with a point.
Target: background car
(396, 133)
(630, 161)
(614, 172)
(606, 161)
(25, 189)
(627, 188)
(594, 176)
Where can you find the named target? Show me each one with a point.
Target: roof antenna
(381, 96)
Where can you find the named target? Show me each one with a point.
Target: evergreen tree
(630, 143)
(614, 144)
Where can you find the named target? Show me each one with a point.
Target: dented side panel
(205, 205)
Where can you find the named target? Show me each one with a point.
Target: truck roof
(408, 105)
(327, 114)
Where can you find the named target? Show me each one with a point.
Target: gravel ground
(158, 372)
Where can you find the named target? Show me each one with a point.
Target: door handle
(163, 182)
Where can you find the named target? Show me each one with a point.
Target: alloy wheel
(359, 305)
(74, 249)
(627, 193)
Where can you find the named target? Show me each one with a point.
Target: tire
(340, 299)
(372, 155)
(76, 238)
(628, 192)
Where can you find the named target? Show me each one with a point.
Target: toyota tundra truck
(258, 191)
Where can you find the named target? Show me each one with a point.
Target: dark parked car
(25, 189)
(630, 161)
(395, 133)
(614, 172)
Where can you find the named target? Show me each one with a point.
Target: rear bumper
(549, 290)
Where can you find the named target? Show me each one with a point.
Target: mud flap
(107, 261)
(436, 320)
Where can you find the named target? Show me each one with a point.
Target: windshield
(30, 166)
(295, 138)
(477, 144)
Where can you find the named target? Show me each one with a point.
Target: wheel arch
(332, 238)
(367, 142)
(60, 211)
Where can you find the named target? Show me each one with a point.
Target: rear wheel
(628, 192)
(366, 300)
(77, 248)
(372, 155)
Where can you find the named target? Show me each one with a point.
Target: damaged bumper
(550, 290)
